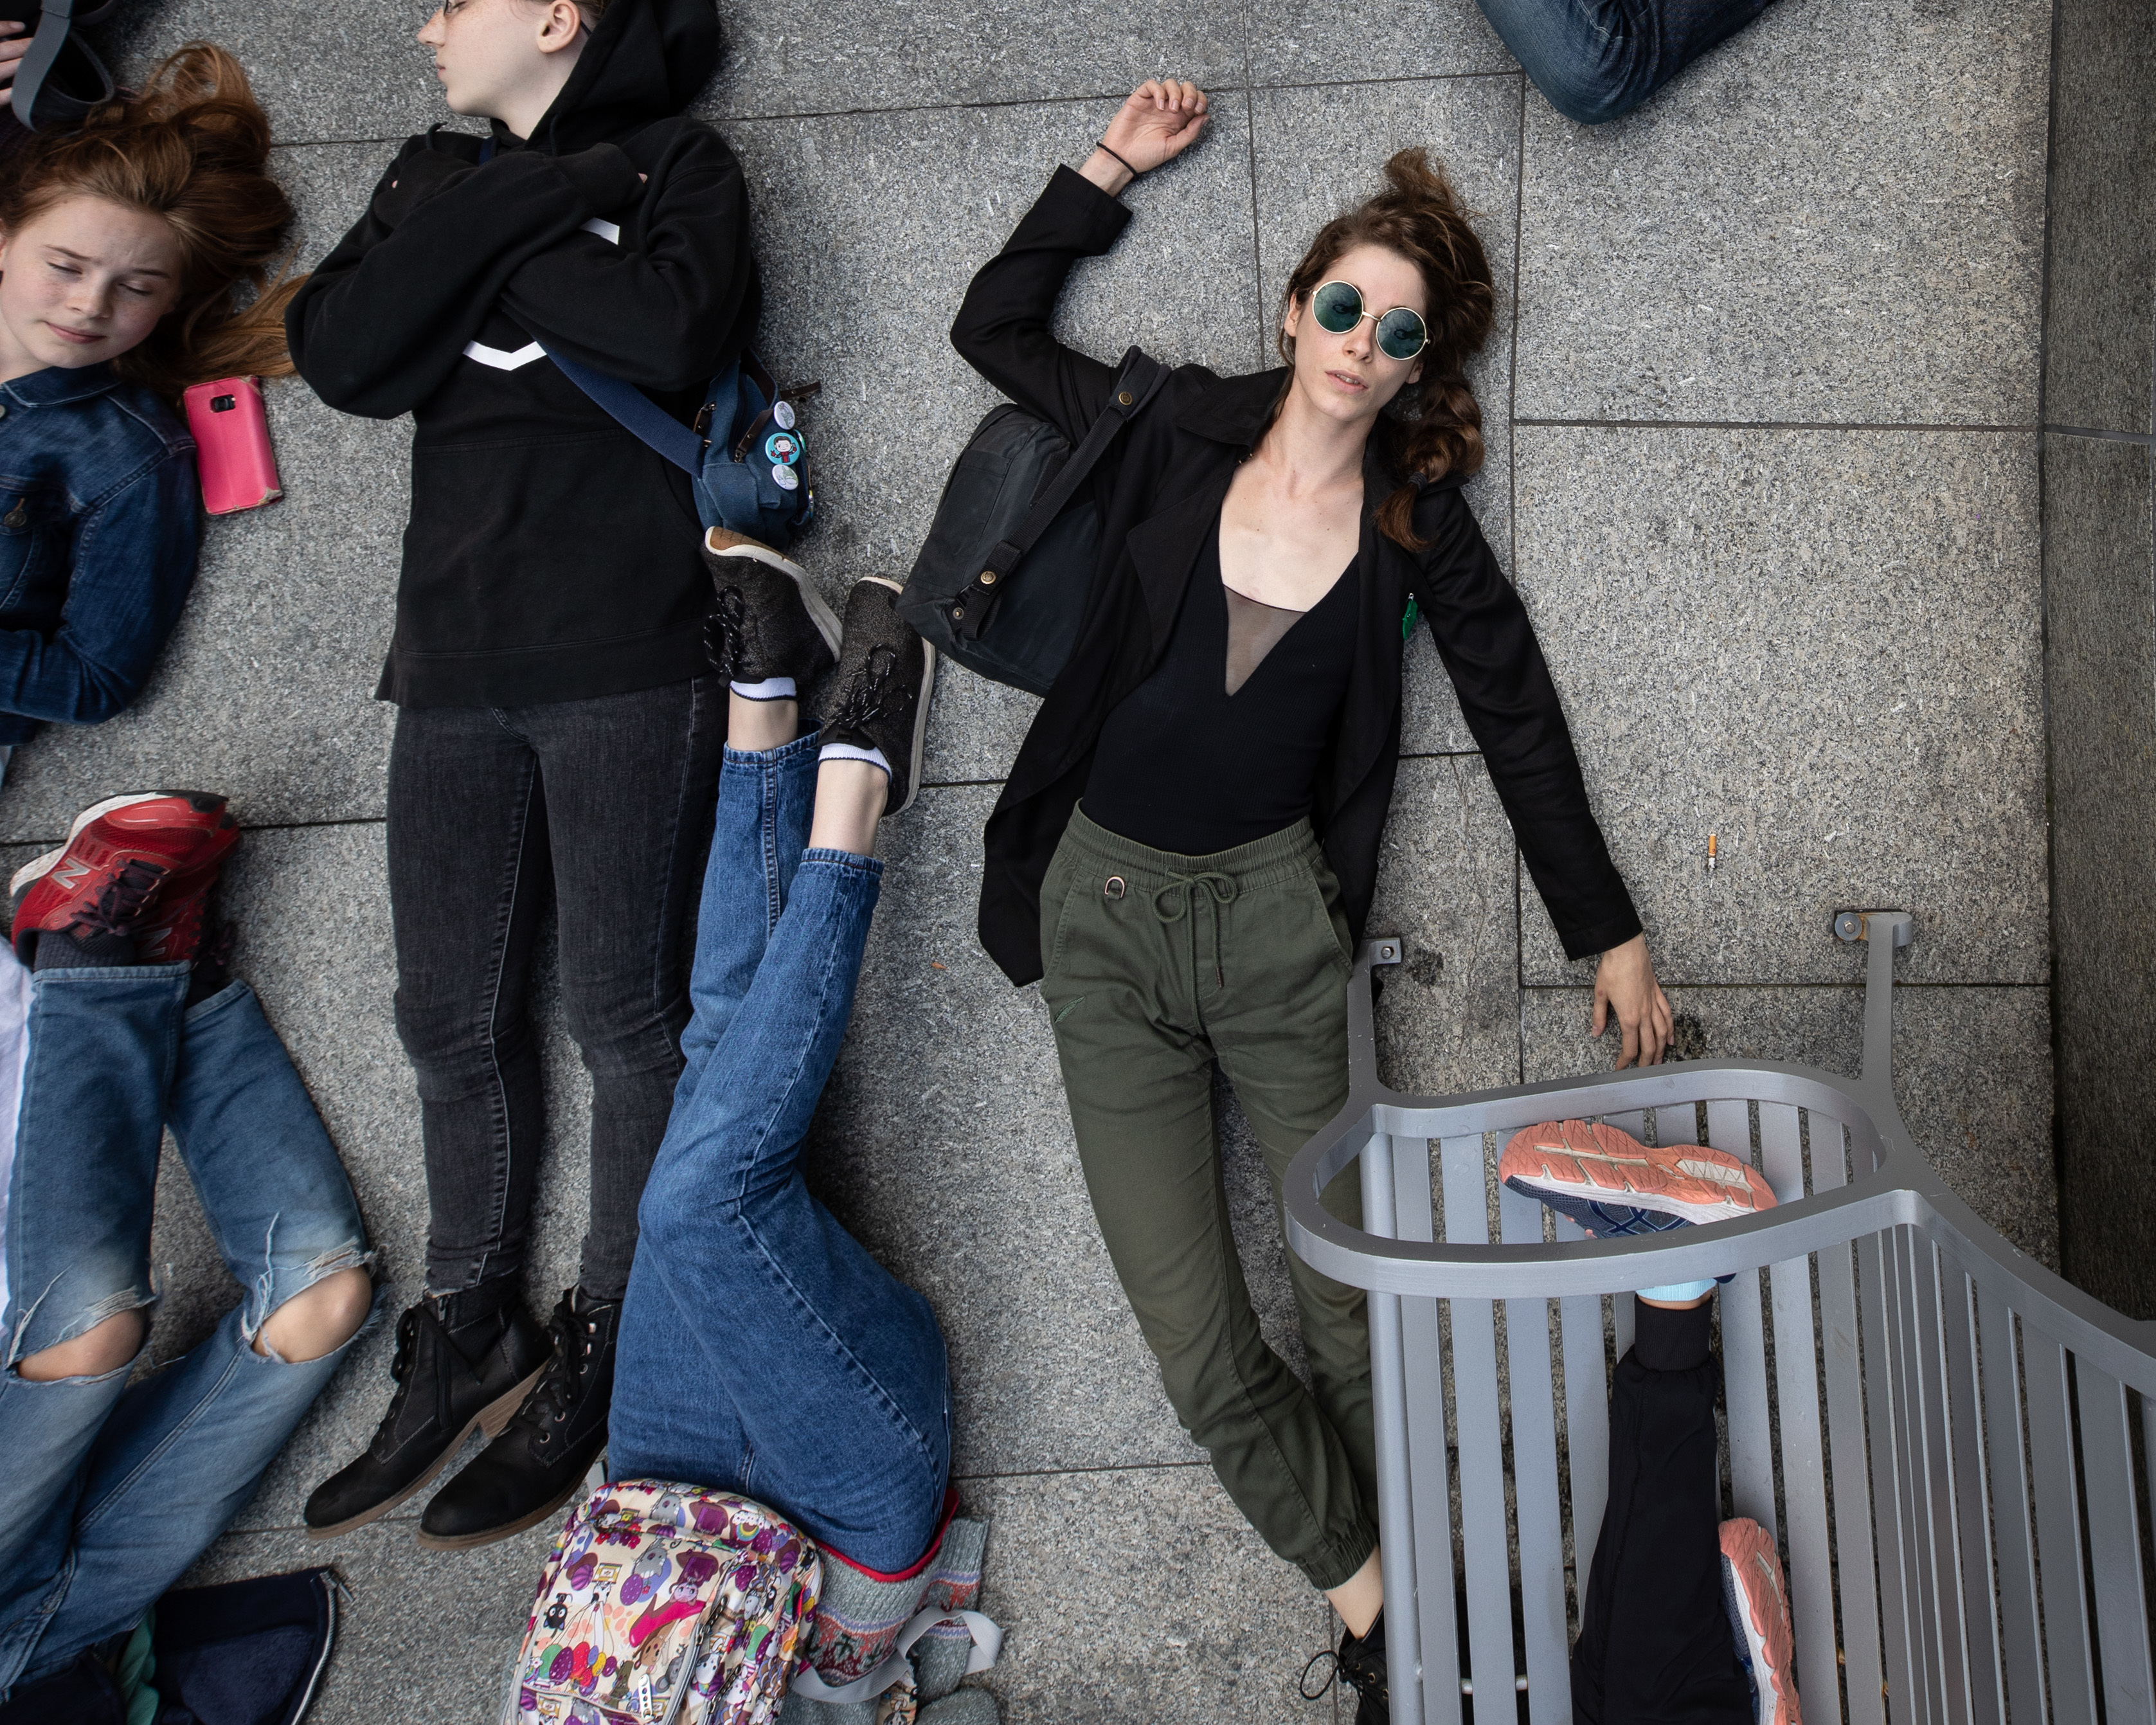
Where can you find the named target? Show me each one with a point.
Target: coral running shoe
(133, 866)
(1758, 1607)
(1613, 1185)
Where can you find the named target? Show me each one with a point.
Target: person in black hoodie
(558, 725)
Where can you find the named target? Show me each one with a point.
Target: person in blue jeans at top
(120, 244)
(762, 1349)
(115, 1482)
(1597, 60)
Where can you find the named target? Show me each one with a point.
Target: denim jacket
(99, 526)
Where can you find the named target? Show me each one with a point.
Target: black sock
(61, 949)
(1667, 1340)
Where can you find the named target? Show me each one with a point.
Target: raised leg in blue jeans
(763, 1350)
(1598, 60)
(111, 1490)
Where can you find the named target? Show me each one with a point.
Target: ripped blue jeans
(111, 1489)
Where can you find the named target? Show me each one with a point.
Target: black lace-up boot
(539, 1459)
(464, 1362)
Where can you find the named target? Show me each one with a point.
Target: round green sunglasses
(1338, 306)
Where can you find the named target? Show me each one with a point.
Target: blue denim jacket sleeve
(133, 565)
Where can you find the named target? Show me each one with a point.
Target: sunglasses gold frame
(1375, 318)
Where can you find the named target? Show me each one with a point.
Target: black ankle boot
(539, 1459)
(1363, 1667)
(463, 1361)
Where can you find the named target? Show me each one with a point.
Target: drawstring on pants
(1219, 890)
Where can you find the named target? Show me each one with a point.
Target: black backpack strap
(1137, 382)
(55, 19)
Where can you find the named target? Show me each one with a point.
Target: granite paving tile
(434, 1630)
(1470, 127)
(1821, 648)
(1448, 1018)
(1196, 1621)
(1295, 42)
(2100, 310)
(1837, 216)
(2101, 638)
(858, 55)
(342, 72)
(1971, 1073)
(870, 227)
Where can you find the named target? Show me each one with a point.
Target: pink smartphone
(231, 445)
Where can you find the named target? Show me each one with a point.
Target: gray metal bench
(1940, 1433)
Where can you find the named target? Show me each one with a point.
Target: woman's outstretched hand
(1625, 984)
(1162, 120)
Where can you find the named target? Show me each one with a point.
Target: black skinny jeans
(1654, 1645)
(606, 805)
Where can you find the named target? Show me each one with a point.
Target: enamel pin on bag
(664, 1604)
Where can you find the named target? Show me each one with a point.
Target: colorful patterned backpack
(665, 1605)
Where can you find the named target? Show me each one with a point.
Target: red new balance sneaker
(162, 846)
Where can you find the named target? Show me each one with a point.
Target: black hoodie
(550, 555)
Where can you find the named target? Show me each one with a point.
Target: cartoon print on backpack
(557, 1613)
(648, 1577)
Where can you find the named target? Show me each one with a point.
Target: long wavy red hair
(1434, 426)
(192, 147)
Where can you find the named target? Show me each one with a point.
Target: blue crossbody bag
(745, 456)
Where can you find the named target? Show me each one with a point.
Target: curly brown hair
(194, 147)
(1434, 426)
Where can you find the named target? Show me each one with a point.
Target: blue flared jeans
(763, 1350)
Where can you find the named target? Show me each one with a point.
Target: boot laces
(727, 630)
(400, 1372)
(121, 902)
(560, 1386)
(867, 696)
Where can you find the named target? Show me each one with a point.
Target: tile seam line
(2145, 438)
(1776, 425)
(1248, 87)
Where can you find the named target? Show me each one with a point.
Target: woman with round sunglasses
(1185, 851)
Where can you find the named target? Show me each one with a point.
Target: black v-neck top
(1184, 766)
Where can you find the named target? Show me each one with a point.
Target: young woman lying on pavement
(763, 1354)
(1230, 716)
(124, 1026)
(121, 244)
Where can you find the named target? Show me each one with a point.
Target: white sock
(847, 752)
(770, 689)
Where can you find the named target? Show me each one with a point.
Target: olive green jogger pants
(1157, 966)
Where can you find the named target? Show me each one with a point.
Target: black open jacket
(550, 555)
(1160, 489)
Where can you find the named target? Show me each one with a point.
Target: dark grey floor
(1761, 412)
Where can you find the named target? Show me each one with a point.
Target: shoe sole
(468, 1542)
(38, 867)
(1752, 1573)
(491, 1420)
(819, 613)
(919, 712)
(1600, 1164)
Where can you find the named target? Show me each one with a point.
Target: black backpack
(1009, 502)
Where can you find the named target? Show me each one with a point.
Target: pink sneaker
(1613, 1185)
(1758, 1608)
